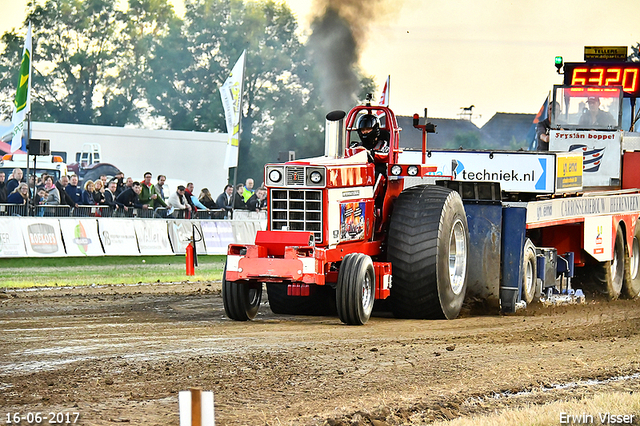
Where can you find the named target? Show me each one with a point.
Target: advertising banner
(600, 151)
(118, 237)
(152, 237)
(217, 236)
(516, 171)
(42, 237)
(11, 240)
(81, 237)
(181, 231)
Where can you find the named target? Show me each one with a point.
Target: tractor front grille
(297, 210)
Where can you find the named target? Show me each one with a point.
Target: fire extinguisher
(191, 253)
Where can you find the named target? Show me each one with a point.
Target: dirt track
(121, 354)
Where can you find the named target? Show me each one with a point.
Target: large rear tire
(241, 299)
(631, 285)
(428, 248)
(355, 291)
(530, 288)
(320, 302)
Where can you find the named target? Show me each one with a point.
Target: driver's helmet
(368, 130)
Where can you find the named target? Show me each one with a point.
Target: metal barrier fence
(105, 211)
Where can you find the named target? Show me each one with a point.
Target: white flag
(231, 94)
(22, 101)
(384, 96)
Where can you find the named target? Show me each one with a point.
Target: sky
(497, 55)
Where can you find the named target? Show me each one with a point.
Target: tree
(281, 110)
(89, 58)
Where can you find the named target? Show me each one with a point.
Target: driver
(372, 137)
(594, 116)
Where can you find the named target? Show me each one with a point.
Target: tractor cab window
(587, 108)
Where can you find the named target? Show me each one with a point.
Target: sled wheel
(631, 285)
(608, 276)
(530, 288)
(428, 248)
(241, 299)
(355, 291)
(320, 302)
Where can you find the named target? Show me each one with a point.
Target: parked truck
(427, 229)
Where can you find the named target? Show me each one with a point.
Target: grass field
(73, 271)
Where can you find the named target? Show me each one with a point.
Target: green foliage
(112, 63)
(466, 140)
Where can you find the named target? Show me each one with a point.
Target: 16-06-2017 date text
(38, 418)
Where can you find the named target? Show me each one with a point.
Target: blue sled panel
(513, 235)
(483, 279)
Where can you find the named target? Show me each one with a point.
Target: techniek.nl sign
(516, 172)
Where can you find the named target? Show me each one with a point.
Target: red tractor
(349, 228)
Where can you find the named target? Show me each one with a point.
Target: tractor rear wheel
(428, 248)
(631, 285)
(241, 299)
(320, 302)
(355, 291)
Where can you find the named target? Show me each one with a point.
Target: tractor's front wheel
(241, 299)
(355, 291)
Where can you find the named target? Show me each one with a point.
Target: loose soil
(121, 354)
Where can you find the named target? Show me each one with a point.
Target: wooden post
(196, 406)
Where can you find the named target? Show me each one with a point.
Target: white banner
(152, 237)
(180, 233)
(516, 171)
(118, 237)
(600, 151)
(11, 240)
(42, 237)
(81, 237)
(231, 94)
(217, 236)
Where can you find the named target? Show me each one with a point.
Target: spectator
(16, 178)
(192, 199)
(19, 195)
(40, 181)
(188, 194)
(42, 196)
(109, 195)
(258, 201)
(248, 189)
(119, 178)
(53, 195)
(128, 199)
(62, 184)
(225, 199)
(206, 199)
(3, 188)
(238, 200)
(98, 192)
(86, 199)
(148, 194)
(159, 190)
(177, 203)
(74, 192)
(103, 178)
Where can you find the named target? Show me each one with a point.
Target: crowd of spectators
(126, 197)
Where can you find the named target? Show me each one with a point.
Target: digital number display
(625, 74)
